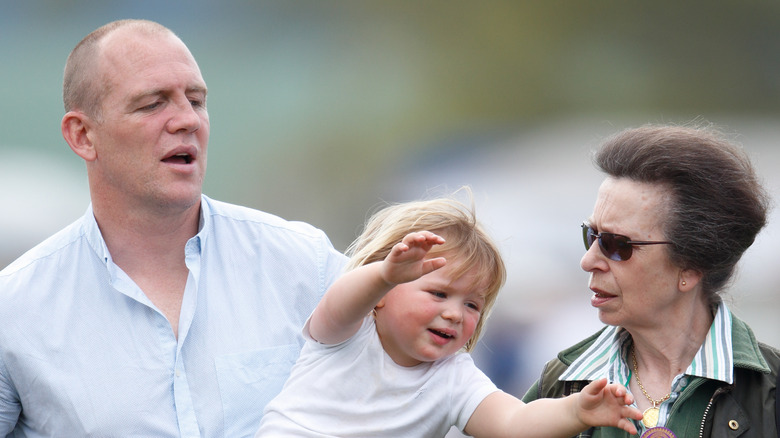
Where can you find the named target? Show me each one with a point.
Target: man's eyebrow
(134, 100)
(197, 89)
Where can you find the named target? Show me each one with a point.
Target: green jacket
(706, 408)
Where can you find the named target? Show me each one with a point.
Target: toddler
(386, 351)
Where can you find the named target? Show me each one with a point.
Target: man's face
(152, 137)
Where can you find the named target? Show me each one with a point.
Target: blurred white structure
(39, 195)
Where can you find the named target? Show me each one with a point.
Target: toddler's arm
(351, 297)
(599, 404)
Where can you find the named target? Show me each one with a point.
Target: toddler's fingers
(422, 238)
(399, 248)
(630, 412)
(431, 265)
(435, 238)
(627, 425)
(596, 386)
(618, 390)
(429, 238)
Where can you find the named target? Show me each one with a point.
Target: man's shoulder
(225, 211)
(51, 248)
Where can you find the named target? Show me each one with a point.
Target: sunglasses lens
(615, 246)
(587, 236)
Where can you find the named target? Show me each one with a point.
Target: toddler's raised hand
(406, 261)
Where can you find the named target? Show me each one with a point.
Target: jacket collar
(745, 348)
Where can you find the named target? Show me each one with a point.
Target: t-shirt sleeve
(365, 329)
(470, 386)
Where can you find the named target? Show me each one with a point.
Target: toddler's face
(430, 318)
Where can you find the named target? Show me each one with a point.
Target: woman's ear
(76, 127)
(689, 278)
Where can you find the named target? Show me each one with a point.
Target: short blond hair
(83, 86)
(457, 223)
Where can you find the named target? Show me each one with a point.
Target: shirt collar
(95, 238)
(606, 356)
(602, 359)
(205, 223)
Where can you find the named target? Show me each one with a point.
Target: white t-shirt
(354, 389)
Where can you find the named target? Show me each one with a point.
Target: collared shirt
(84, 352)
(610, 354)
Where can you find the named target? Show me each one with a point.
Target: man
(160, 312)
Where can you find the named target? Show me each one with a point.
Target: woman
(678, 208)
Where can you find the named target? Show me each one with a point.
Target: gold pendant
(650, 417)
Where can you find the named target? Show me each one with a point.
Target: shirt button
(178, 373)
(733, 425)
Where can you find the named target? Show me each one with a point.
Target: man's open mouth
(182, 158)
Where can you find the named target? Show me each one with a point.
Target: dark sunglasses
(615, 246)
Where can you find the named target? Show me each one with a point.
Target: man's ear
(76, 127)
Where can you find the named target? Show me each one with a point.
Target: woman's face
(641, 291)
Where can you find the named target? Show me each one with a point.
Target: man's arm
(10, 407)
(351, 297)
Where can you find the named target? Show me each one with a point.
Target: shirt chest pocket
(248, 381)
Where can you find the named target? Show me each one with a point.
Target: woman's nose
(593, 258)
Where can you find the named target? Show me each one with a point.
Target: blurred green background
(322, 109)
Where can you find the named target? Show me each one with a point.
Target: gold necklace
(650, 415)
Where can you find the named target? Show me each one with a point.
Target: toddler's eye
(438, 294)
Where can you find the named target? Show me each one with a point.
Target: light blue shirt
(83, 352)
